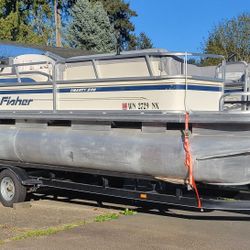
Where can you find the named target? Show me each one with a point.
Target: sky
(175, 25)
(182, 25)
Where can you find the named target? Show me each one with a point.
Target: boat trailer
(102, 185)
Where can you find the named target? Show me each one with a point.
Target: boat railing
(148, 57)
(15, 70)
(243, 95)
(56, 75)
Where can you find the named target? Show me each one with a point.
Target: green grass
(113, 216)
(56, 229)
(127, 212)
(44, 232)
(106, 217)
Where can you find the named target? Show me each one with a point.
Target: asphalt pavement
(176, 229)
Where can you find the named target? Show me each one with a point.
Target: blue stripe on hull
(233, 90)
(15, 80)
(114, 89)
(142, 88)
(26, 91)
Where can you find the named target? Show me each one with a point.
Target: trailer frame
(36, 176)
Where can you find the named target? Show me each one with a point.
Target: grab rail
(243, 94)
(18, 73)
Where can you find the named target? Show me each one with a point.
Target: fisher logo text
(7, 100)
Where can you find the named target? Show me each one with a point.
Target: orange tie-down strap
(189, 161)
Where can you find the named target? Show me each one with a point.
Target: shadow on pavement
(121, 204)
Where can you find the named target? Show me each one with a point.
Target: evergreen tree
(144, 42)
(40, 18)
(140, 42)
(45, 22)
(90, 28)
(120, 13)
(230, 37)
(16, 21)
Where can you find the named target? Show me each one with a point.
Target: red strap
(189, 161)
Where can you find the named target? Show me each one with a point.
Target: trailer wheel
(11, 189)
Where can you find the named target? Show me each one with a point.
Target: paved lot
(175, 230)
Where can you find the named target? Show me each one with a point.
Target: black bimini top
(61, 52)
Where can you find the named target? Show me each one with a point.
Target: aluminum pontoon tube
(125, 150)
(217, 158)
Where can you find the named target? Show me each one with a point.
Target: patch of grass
(106, 217)
(56, 229)
(45, 232)
(127, 212)
(37, 233)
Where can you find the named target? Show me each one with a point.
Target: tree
(40, 18)
(230, 37)
(17, 21)
(61, 8)
(58, 23)
(144, 42)
(44, 21)
(140, 42)
(33, 21)
(90, 28)
(119, 14)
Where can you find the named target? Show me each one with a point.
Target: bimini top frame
(132, 54)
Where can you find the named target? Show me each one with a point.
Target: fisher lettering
(7, 100)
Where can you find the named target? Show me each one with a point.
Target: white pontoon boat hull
(147, 81)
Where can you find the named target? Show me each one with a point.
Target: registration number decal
(140, 106)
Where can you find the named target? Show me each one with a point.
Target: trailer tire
(11, 189)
